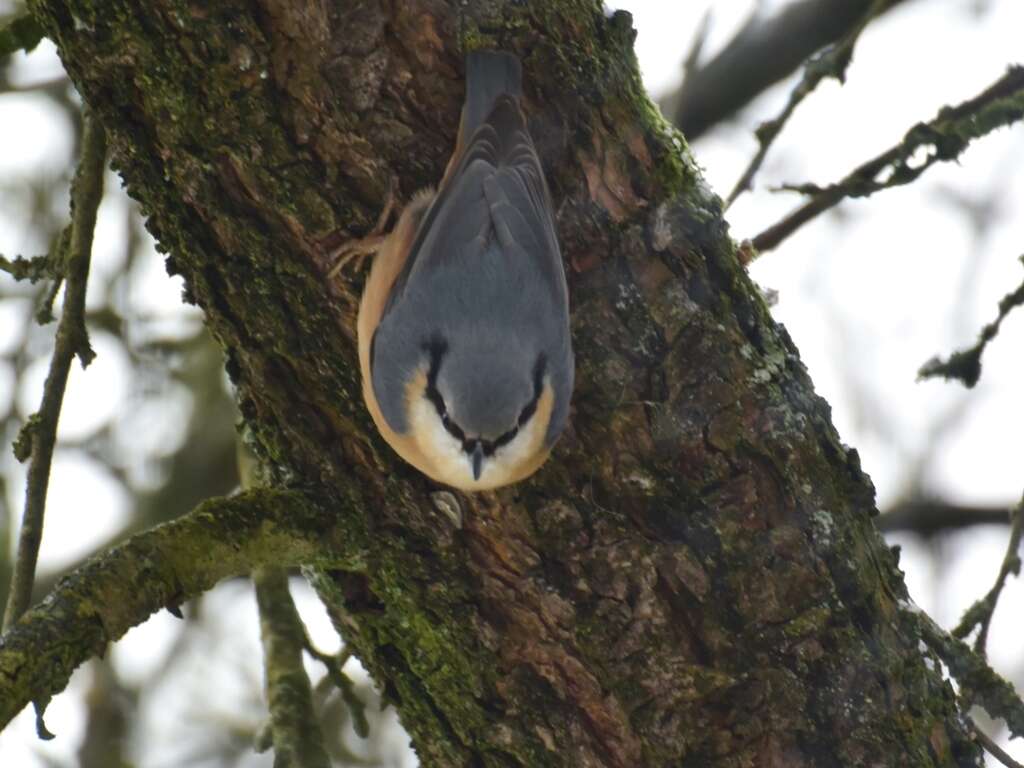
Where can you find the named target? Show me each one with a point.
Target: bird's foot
(357, 249)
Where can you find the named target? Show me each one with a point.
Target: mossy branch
(22, 34)
(832, 62)
(942, 139)
(297, 739)
(162, 567)
(32, 269)
(39, 435)
(965, 365)
(979, 683)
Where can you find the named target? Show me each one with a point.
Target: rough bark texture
(694, 579)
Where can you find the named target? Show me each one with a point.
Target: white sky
(868, 294)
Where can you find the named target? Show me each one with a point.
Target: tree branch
(930, 517)
(297, 739)
(832, 62)
(32, 269)
(965, 364)
(336, 674)
(762, 53)
(22, 34)
(39, 435)
(979, 683)
(942, 139)
(164, 567)
(994, 749)
(980, 614)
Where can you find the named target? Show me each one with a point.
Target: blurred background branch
(39, 435)
(943, 139)
(965, 365)
(763, 52)
(293, 728)
(831, 62)
(932, 517)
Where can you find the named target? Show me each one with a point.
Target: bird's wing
(496, 191)
(494, 209)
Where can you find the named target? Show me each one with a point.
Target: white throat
(451, 463)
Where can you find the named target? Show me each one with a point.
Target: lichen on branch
(162, 568)
(942, 139)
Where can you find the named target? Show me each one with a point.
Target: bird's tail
(489, 75)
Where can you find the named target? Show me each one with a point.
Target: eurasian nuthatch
(464, 343)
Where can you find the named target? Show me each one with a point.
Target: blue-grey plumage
(464, 325)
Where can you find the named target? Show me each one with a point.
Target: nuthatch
(464, 343)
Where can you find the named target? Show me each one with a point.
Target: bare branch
(980, 614)
(165, 566)
(295, 733)
(942, 139)
(40, 433)
(965, 364)
(832, 62)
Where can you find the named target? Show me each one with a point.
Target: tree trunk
(694, 579)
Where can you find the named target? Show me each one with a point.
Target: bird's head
(479, 412)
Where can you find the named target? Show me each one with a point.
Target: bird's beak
(478, 460)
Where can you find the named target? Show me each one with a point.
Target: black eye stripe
(538, 387)
(437, 347)
(538, 375)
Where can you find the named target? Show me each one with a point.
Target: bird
(465, 350)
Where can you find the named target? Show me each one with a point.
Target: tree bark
(694, 579)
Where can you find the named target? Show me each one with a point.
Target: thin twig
(335, 671)
(942, 139)
(294, 730)
(980, 614)
(831, 62)
(39, 434)
(994, 749)
(965, 364)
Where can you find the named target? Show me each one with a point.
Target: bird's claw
(358, 249)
